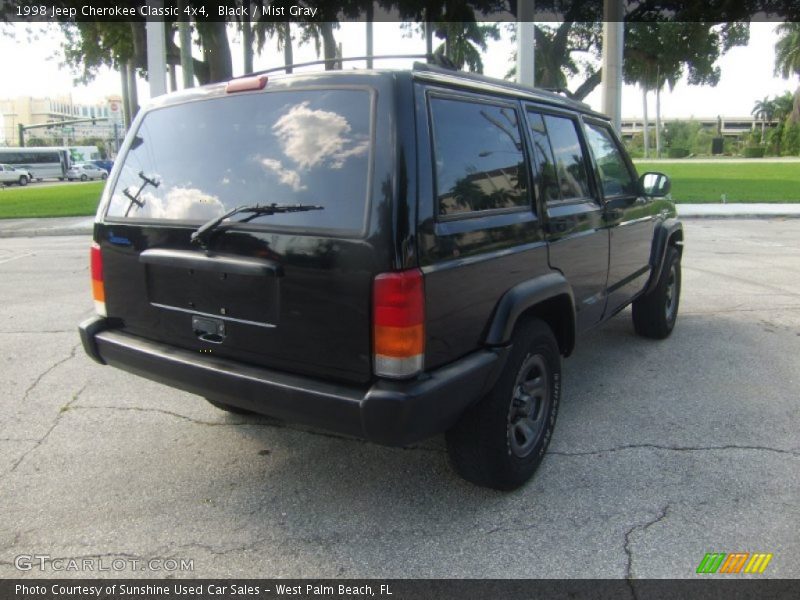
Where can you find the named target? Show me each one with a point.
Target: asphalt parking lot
(663, 451)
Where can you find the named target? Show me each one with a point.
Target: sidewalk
(46, 227)
(83, 225)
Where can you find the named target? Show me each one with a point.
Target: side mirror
(655, 184)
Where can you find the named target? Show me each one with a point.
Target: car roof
(420, 72)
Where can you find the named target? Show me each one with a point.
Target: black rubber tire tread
(229, 408)
(478, 445)
(649, 318)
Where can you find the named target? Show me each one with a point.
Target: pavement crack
(641, 527)
(676, 449)
(47, 433)
(44, 373)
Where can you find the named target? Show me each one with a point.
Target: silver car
(86, 171)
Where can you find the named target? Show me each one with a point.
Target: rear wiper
(202, 235)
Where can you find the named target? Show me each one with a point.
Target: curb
(15, 233)
(739, 216)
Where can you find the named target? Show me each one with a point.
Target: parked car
(10, 174)
(85, 171)
(389, 255)
(106, 165)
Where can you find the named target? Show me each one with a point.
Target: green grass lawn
(740, 182)
(68, 200)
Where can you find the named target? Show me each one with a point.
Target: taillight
(398, 324)
(98, 291)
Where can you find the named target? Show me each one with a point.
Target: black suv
(386, 254)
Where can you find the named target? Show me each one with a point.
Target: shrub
(754, 152)
(791, 140)
(678, 152)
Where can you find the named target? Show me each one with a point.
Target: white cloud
(314, 137)
(182, 203)
(285, 175)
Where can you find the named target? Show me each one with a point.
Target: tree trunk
(133, 93)
(658, 122)
(645, 123)
(126, 104)
(173, 78)
(216, 52)
(288, 51)
(587, 86)
(247, 40)
(328, 44)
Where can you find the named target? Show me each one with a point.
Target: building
(730, 126)
(27, 110)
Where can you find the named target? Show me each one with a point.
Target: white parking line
(15, 257)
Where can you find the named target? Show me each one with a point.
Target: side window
(615, 176)
(570, 166)
(551, 191)
(479, 160)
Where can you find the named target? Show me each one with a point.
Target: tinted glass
(568, 155)
(550, 189)
(614, 174)
(479, 159)
(293, 147)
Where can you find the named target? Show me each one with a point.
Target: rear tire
(654, 314)
(230, 408)
(84, 178)
(500, 441)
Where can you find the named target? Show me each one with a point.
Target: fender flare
(664, 232)
(527, 295)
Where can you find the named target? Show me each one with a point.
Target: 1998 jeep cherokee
(386, 254)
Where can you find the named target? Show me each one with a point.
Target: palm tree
(782, 106)
(464, 42)
(787, 58)
(764, 110)
(282, 31)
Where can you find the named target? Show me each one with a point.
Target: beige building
(38, 111)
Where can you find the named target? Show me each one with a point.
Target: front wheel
(84, 178)
(23, 180)
(654, 314)
(500, 441)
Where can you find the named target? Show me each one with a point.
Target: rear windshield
(195, 161)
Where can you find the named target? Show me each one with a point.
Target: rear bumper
(395, 413)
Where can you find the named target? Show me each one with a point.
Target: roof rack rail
(436, 59)
(560, 90)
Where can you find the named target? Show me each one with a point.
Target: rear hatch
(287, 291)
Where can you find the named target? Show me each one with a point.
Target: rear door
(576, 232)
(287, 291)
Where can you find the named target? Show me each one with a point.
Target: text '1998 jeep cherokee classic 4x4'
(385, 254)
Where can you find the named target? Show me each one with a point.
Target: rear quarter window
(479, 162)
(195, 161)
